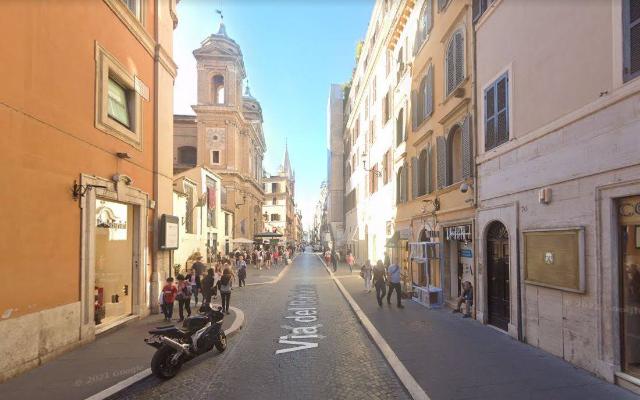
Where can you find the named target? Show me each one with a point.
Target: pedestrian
(224, 286)
(379, 281)
(199, 266)
(217, 274)
(276, 254)
(334, 261)
(394, 283)
(350, 260)
(366, 272)
(260, 256)
(466, 298)
(169, 292)
(194, 281)
(207, 287)
(242, 272)
(183, 296)
(267, 259)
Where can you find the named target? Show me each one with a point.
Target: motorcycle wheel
(161, 363)
(221, 343)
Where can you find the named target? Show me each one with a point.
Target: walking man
(394, 283)
(379, 281)
(242, 271)
(334, 260)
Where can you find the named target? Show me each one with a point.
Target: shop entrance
(498, 275)
(629, 239)
(114, 244)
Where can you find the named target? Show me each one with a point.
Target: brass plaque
(554, 258)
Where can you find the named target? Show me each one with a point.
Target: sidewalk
(113, 357)
(455, 358)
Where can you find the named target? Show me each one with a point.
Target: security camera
(464, 188)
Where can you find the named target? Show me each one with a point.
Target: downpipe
(179, 347)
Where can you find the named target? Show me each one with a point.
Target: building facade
(101, 151)
(278, 210)
(225, 135)
(559, 213)
(196, 202)
(335, 166)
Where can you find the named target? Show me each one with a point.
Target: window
(401, 134)
(424, 175)
(424, 25)
(274, 201)
(372, 132)
(189, 208)
(479, 7)
(218, 89)
(631, 35)
(118, 104)
(373, 179)
(135, 7)
(118, 107)
(422, 99)
(401, 185)
(215, 157)
(386, 107)
(211, 203)
(357, 129)
(455, 155)
(274, 188)
(454, 62)
(187, 155)
(386, 167)
(442, 4)
(496, 113)
(275, 217)
(400, 62)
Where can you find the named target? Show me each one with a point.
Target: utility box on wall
(555, 258)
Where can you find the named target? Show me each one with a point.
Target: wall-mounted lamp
(79, 191)
(364, 166)
(123, 156)
(465, 187)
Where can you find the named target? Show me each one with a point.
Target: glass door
(629, 238)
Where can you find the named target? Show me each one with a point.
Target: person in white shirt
(393, 276)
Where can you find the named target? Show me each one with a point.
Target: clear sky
(293, 51)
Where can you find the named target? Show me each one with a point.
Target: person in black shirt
(379, 281)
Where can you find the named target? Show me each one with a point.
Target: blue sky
(293, 51)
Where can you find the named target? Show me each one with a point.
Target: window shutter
(414, 109)
(450, 67)
(414, 177)
(459, 57)
(405, 182)
(428, 95)
(502, 111)
(398, 187)
(430, 184)
(489, 118)
(631, 22)
(428, 18)
(467, 148)
(441, 149)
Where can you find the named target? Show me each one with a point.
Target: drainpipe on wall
(476, 241)
(155, 278)
(518, 283)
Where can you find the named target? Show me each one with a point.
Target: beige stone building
(558, 221)
(335, 166)
(86, 106)
(225, 135)
(278, 209)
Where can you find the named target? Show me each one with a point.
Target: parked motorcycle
(175, 346)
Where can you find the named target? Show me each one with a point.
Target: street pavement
(454, 358)
(328, 358)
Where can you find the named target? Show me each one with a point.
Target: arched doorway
(498, 275)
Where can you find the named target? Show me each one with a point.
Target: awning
(267, 235)
(242, 241)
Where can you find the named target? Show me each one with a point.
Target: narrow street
(344, 365)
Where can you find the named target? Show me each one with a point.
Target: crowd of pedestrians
(217, 279)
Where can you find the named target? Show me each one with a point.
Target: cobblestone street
(344, 365)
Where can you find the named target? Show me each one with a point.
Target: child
(183, 297)
(169, 292)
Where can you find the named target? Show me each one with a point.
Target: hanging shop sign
(460, 232)
(169, 232)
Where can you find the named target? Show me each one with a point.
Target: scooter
(175, 346)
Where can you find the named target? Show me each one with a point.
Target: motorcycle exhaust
(182, 348)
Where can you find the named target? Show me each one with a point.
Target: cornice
(166, 61)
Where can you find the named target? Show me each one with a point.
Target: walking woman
(367, 273)
(350, 260)
(207, 286)
(224, 286)
(183, 297)
(379, 281)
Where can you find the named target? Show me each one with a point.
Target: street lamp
(364, 165)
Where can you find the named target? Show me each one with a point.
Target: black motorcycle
(198, 335)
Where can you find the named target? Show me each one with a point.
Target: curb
(278, 277)
(235, 327)
(408, 381)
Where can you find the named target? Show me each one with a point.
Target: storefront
(458, 264)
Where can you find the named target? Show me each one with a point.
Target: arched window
(454, 155)
(400, 131)
(454, 61)
(218, 89)
(424, 25)
(423, 175)
(187, 155)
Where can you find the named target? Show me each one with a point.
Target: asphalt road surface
(300, 341)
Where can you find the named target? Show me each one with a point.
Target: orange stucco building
(86, 100)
